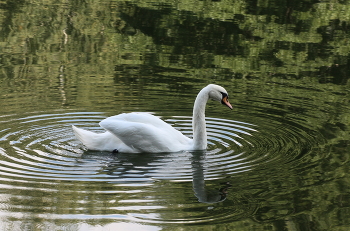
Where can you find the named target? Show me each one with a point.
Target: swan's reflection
(204, 194)
(142, 168)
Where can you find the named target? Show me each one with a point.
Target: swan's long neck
(198, 121)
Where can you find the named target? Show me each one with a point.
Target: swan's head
(218, 93)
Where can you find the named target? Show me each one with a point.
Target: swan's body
(142, 132)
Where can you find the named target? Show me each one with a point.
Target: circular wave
(39, 156)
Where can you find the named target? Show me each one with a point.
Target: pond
(278, 161)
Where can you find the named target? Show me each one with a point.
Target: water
(278, 161)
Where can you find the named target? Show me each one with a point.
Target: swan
(139, 132)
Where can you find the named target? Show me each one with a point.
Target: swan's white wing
(144, 132)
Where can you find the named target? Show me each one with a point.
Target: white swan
(142, 132)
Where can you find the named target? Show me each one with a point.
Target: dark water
(278, 161)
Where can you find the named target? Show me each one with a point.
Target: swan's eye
(224, 95)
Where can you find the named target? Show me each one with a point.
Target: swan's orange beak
(226, 102)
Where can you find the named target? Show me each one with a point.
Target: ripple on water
(39, 155)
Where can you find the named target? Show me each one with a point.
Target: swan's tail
(95, 141)
(86, 137)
